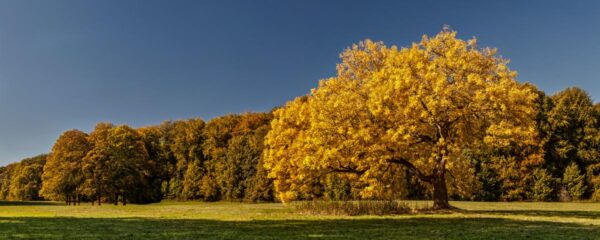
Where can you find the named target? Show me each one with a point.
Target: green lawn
(222, 220)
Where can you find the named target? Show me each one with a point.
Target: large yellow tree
(417, 108)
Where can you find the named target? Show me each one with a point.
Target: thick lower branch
(412, 168)
(347, 170)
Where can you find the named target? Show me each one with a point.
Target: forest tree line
(183, 160)
(222, 160)
(441, 119)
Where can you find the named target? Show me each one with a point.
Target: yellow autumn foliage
(416, 108)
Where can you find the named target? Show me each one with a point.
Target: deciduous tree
(186, 144)
(95, 164)
(63, 173)
(574, 131)
(574, 182)
(415, 108)
(26, 181)
(127, 169)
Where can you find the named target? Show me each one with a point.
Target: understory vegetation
(355, 208)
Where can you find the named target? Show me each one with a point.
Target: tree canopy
(418, 108)
(63, 173)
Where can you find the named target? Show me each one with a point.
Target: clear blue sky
(70, 64)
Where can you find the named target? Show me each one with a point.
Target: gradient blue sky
(70, 64)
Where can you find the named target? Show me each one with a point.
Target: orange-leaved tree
(416, 108)
(63, 175)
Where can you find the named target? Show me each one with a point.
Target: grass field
(223, 220)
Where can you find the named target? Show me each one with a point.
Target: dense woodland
(328, 144)
(183, 160)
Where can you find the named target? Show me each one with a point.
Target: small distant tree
(192, 181)
(491, 186)
(185, 145)
(233, 147)
(261, 186)
(117, 167)
(159, 141)
(543, 186)
(574, 181)
(95, 163)
(128, 166)
(6, 174)
(209, 187)
(574, 135)
(593, 170)
(158, 174)
(63, 173)
(238, 167)
(27, 179)
(218, 133)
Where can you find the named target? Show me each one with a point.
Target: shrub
(491, 186)
(355, 208)
(573, 182)
(543, 186)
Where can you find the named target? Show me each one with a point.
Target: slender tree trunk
(123, 200)
(168, 188)
(99, 200)
(116, 199)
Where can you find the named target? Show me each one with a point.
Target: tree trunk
(437, 179)
(440, 192)
(167, 189)
(99, 199)
(116, 199)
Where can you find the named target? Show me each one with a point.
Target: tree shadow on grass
(358, 228)
(29, 203)
(539, 213)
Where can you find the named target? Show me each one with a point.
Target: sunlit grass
(226, 220)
